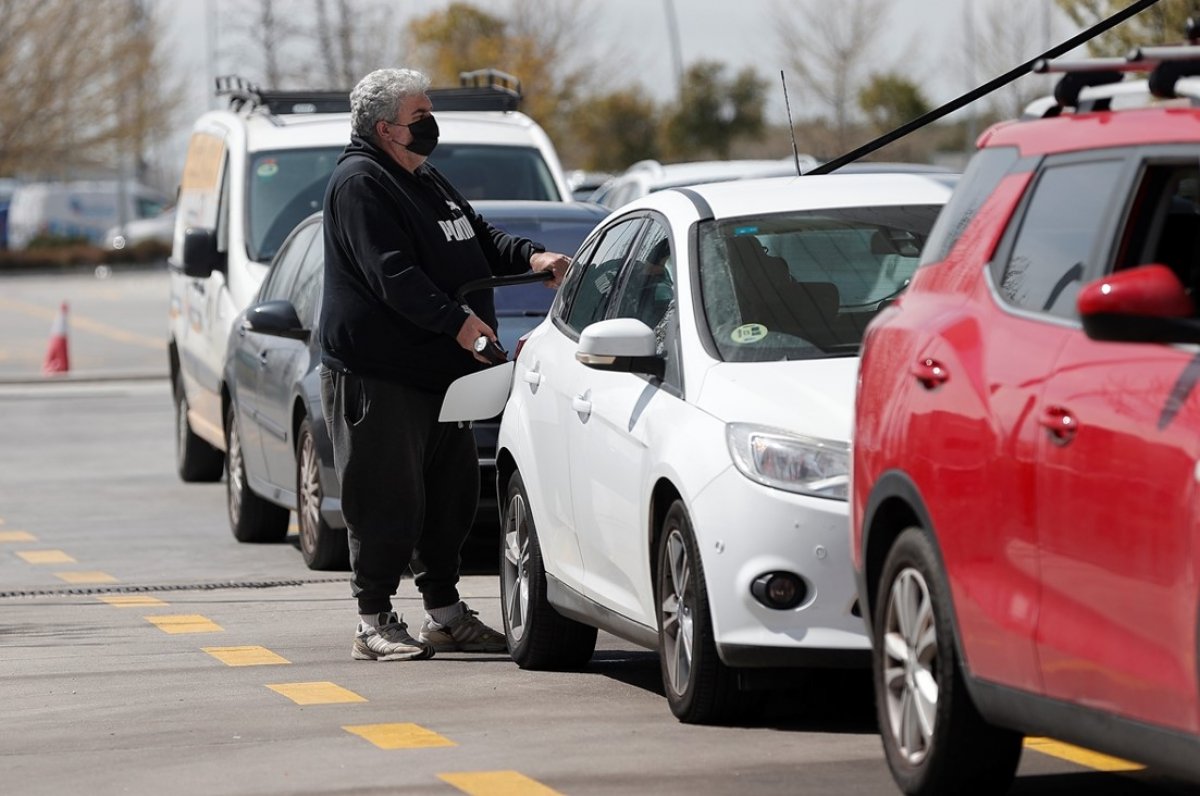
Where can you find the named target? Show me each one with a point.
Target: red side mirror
(1147, 291)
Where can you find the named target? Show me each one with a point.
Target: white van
(78, 209)
(256, 169)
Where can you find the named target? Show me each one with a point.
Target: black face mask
(425, 136)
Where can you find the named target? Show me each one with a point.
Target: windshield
(804, 285)
(286, 187)
(496, 172)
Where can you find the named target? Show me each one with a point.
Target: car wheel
(538, 636)
(700, 688)
(933, 736)
(195, 460)
(251, 518)
(322, 546)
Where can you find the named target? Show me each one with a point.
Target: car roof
(547, 211)
(1096, 130)
(763, 196)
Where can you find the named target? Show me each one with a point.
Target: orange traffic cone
(56, 360)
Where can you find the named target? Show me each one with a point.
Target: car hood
(814, 397)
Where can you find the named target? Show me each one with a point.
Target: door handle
(582, 405)
(533, 379)
(262, 358)
(930, 373)
(1060, 424)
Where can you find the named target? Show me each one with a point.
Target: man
(399, 242)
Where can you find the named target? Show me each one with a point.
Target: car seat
(766, 294)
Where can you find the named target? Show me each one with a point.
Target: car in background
(7, 187)
(279, 457)
(82, 210)
(1024, 513)
(158, 229)
(648, 176)
(584, 183)
(673, 454)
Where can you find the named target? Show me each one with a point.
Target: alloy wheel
(678, 613)
(910, 665)
(309, 514)
(236, 474)
(516, 566)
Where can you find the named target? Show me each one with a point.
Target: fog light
(779, 590)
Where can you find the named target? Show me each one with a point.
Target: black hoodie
(398, 245)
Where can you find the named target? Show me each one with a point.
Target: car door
(284, 361)
(615, 418)
(549, 380)
(1116, 490)
(252, 363)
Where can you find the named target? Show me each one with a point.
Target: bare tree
(1009, 33)
(80, 86)
(828, 46)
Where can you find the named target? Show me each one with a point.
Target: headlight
(780, 459)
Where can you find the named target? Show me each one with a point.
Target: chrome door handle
(582, 405)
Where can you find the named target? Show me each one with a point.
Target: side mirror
(1146, 304)
(624, 345)
(200, 255)
(277, 317)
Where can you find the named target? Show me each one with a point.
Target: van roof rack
(480, 90)
(1091, 84)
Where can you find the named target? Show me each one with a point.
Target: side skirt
(574, 605)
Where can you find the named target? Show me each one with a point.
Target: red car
(1024, 511)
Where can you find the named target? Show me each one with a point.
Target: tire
(935, 740)
(322, 546)
(700, 688)
(538, 636)
(251, 518)
(195, 460)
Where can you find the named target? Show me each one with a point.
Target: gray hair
(377, 97)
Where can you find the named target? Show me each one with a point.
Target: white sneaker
(389, 642)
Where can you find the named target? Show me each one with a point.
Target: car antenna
(791, 129)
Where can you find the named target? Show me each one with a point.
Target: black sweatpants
(410, 487)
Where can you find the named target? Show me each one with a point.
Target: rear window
(805, 285)
(496, 172)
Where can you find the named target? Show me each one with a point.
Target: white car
(648, 176)
(672, 461)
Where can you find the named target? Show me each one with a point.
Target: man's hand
(553, 262)
(471, 330)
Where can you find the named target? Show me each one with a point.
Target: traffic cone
(56, 360)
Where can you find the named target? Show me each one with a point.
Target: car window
(285, 187)
(596, 277)
(307, 286)
(804, 285)
(480, 171)
(971, 191)
(1059, 230)
(287, 264)
(1164, 223)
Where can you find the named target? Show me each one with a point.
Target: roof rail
(1081, 86)
(481, 90)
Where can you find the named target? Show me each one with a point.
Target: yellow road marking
(399, 736)
(17, 536)
(129, 600)
(85, 323)
(46, 556)
(316, 693)
(497, 783)
(184, 623)
(1080, 756)
(245, 656)
(85, 577)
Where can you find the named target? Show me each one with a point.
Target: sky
(918, 34)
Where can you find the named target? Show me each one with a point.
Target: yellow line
(85, 323)
(184, 623)
(85, 577)
(1080, 756)
(316, 693)
(129, 600)
(17, 536)
(497, 783)
(245, 656)
(45, 556)
(399, 736)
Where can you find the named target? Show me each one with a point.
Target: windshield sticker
(748, 333)
(268, 168)
(745, 230)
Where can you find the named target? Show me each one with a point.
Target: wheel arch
(298, 415)
(894, 504)
(506, 466)
(661, 497)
